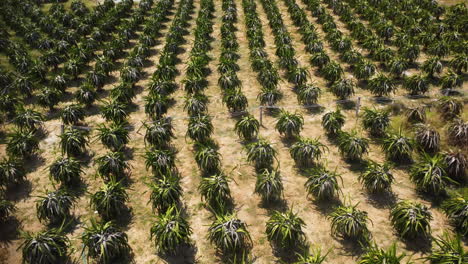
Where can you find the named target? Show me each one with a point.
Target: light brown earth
(248, 205)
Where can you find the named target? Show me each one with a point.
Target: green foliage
(208, 158)
(261, 153)
(72, 114)
(376, 255)
(377, 178)
(375, 121)
(105, 242)
(449, 107)
(11, 172)
(159, 132)
(73, 141)
(165, 192)
(22, 144)
(115, 136)
(306, 151)
(343, 88)
(397, 147)
(416, 84)
(247, 127)
(6, 210)
(322, 183)
(349, 222)
(44, 247)
(111, 165)
(411, 219)
(351, 146)
(285, 229)
(430, 174)
(457, 211)
(315, 258)
(215, 190)
(170, 231)
(110, 200)
(229, 234)
(381, 85)
(289, 124)
(332, 122)
(449, 249)
(200, 128)
(54, 207)
(161, 161)
(269, 185)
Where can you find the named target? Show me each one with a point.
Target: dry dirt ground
(248, 205)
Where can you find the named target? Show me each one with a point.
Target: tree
(322, 183)
(104, 242)
(381, 85)
(269, 96)
(315, 258)
(308, 94)
(72, 114)
(73, 141)
(449, 249)
(200, 128)
(261, 153)
(306, 152)
(285, 230)
(377, 178)
(269, 185)
(159, 132)
(289, 124)
(349, 222)
(416, 114)
(416, 84)
(196, 104)
(397, 147)
(229, 234)
(110, 200)
(332, 71)
(115, 136)
(411, 219)
(247, 127)
(460, 63)
(112, 165)
(22, 144)
(376, 255)
(165, 192)
(432, 66)
(364, 69)
(66, 170)
(430, 174)
(375, 121)
(45, 247)
(215, 190)
(457, 163)
(456, 210)
(11, 172)
(28, 119)
(208, 158)
(161, 161)
(449, 107)
(427, 138)
(343, 88)
(114, 111)
(235, 100)
(54, 207)
(332, 122)
(6, 210)
(170, 231)
(351, 146)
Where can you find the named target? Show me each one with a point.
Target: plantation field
(206, 66)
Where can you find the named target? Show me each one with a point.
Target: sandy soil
(248, 205)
